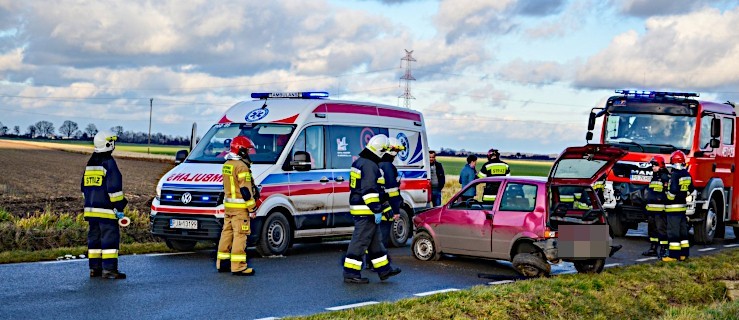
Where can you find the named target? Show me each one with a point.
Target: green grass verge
(688, 290)
(454, 165)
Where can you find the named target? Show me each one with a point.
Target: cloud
(699, 50)
(539, 8)
(535, 73)
(647, 8)
(472, 18)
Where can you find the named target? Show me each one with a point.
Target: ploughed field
(33, 178)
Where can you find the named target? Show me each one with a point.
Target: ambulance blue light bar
(290, 95)
(652, 94)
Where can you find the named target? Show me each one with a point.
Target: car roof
(515, 179)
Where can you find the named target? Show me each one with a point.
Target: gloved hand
(378, 218)
(118, 214)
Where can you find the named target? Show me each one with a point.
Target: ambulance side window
(346, 142)
(311, 140)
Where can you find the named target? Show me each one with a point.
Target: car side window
(311, 140)
(518, 197)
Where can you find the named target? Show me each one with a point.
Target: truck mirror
(301, 161)
(715, 128)
(591, 121)
(589, 136)
(714, 143)
(180, 156)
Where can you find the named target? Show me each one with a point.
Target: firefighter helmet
(395, 146)
(104, 141)
(493, 153)
(658, 161)
(677, 157)
(378, 145)
(240, 146)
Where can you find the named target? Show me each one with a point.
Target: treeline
(69, 130)
(525, 156)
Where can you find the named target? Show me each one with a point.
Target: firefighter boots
(651, 252)
(245, 273)
(96, 273)
(113, 274)
(357, 279)
(389, 273)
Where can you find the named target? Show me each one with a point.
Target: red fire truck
(649, 123)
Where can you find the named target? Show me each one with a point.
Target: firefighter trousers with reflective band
(366, 237)
(232, 246)
(677, 235)
(656, 225)
(103, 238)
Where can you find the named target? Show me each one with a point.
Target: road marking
(612, 265)
(646, 259)
(423, 294)
(500, 282)
(731, 245)
(268, 318)
(354, 305)
(166, 254)
(62, 261)
(707, 249)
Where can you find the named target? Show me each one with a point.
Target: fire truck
(649, 123)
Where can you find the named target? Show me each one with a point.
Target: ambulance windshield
(269, 140)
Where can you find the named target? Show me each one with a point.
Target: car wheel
(424, 248)
(617, 226)
(180, 245)
(704, 231)
(400, 230)
(275, 236)
(531, 265)
(590, 265)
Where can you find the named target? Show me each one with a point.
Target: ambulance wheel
(180, 245)
(275, 237)
(590, 265)
(704, 231)
(424, 248)
(531, 265)
(401, 230)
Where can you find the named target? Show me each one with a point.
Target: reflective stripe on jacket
(102, 187)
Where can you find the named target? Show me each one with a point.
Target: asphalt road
(307, 281)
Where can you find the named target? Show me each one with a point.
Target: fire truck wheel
(590, 265)
(704, 231)
(401, 230)
(618, 227)
(275, 236)
(180, 245)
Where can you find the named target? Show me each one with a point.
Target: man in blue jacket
(467, 175)
(102, 186)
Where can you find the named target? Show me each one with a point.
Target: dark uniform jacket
(391, 188)
(102, 186)
(364, 189)
(657, 187)
(494, 167)
(681, 184)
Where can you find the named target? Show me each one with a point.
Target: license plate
(641, 178)
(183, 224)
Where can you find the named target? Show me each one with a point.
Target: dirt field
(33, 177)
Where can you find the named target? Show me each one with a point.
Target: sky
(516, 75)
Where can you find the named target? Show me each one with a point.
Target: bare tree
(32, 131)
(117, 130)
(17, 130)
(45, 128)
(3, 129)
(68, 128)
(91, 130)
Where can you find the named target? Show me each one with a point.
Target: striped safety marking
(428, 293)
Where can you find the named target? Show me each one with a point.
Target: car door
(465, 226)
(515, 215)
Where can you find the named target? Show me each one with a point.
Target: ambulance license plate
(641, 178)
(183, 224)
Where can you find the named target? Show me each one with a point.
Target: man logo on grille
(186, 198)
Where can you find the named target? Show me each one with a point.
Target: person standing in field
(438, 179)
(467, 175)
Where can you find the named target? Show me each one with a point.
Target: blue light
(206, 198)
(652, 94)
(290, 95)
(169, 196)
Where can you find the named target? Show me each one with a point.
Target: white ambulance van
(305, 145)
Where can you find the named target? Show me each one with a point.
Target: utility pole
(151, 102)
(407, 77)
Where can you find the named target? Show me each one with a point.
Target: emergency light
(652, 94)
(290, 95)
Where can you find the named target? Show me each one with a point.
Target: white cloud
(693, 51)
(469, 18)
(646, 8)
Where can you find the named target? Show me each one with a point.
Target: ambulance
(305, 144)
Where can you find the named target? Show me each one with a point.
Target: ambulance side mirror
(301, 161)
(180, 156)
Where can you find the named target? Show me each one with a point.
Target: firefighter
(494, 167)
(240, 197)
(679, 187)
(391, 195)
(599, 188)
(655, 208)
(366, 210)
(102, 186)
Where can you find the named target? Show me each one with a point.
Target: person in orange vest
(240, 197)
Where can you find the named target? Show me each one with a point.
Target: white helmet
(378, 144)
(104, 141)
(395, 146)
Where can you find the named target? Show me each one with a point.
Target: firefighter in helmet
(240, 196)
(366, 210)
(493, 167)
(391, 189)
(102, 186)
(655, 208)
(679, 187)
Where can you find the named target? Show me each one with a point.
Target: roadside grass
(453, 166)
(691, 290)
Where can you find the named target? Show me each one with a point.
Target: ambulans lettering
(196, 177)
